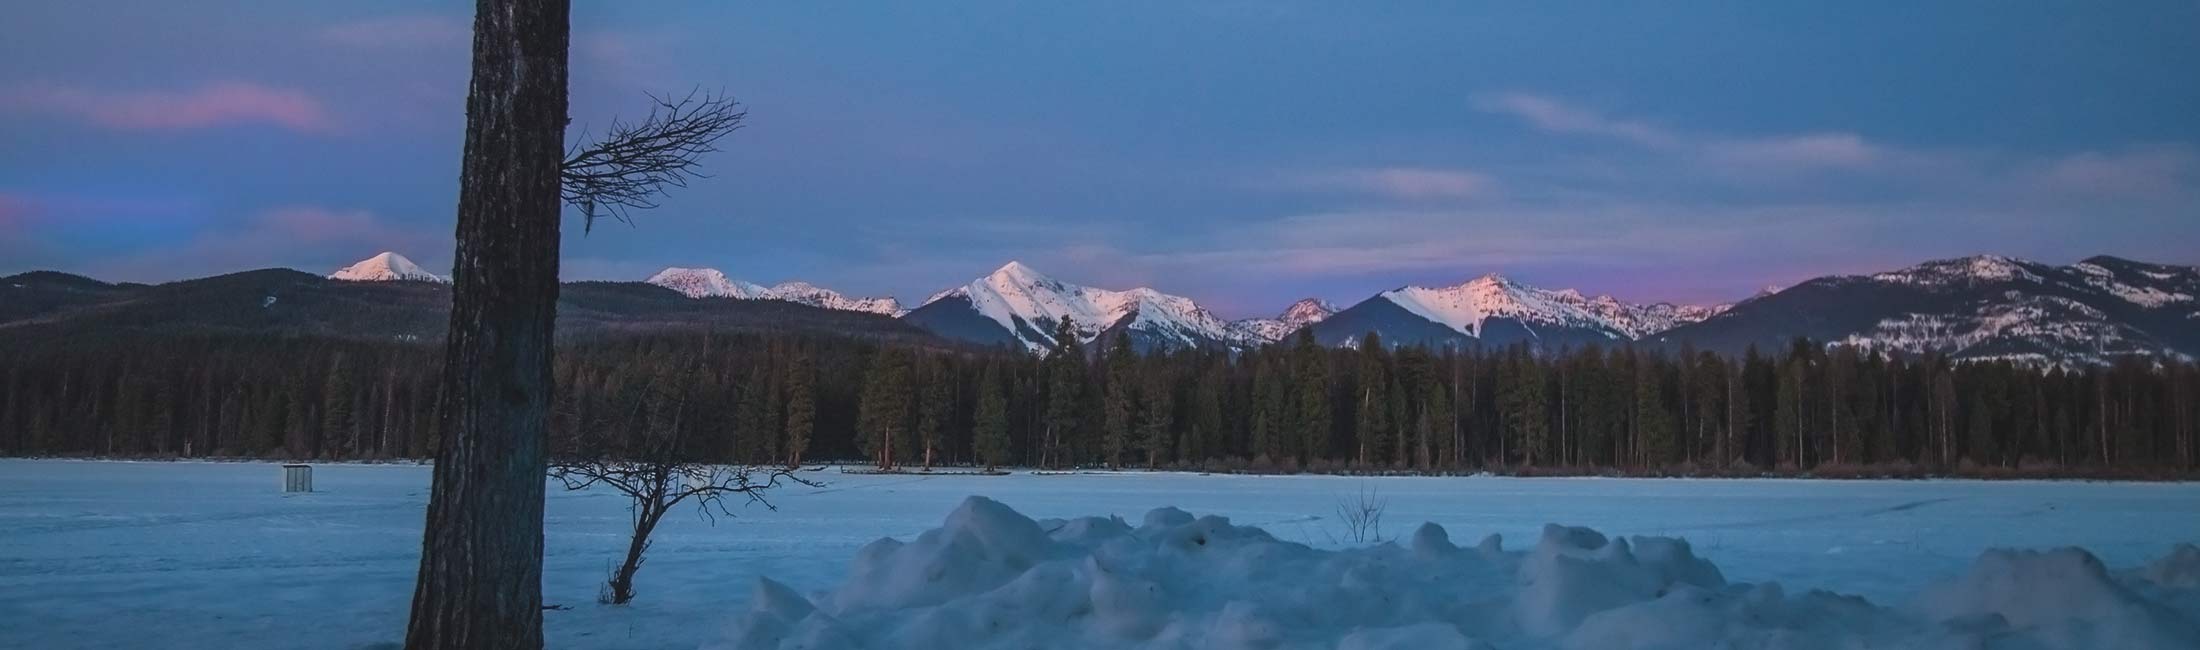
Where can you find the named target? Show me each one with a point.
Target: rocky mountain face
(1018, 305)
(1496, 311)
(1977, 308)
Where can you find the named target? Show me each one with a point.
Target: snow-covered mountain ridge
(1983, 307)
(1027, 305)
(712, 283)
(1980, 307)
(1467, 306)
(1306, 311)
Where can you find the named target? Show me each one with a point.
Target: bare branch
(650, 465)
(632, 163)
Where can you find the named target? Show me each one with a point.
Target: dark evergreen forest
(769, 398)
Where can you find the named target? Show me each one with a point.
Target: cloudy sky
(1242, 153)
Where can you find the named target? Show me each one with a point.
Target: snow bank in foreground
(990, 577)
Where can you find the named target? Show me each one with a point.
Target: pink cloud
(1808, 150)
(15, 212)
(1417, 183)
(1400, 183)
(2160, 171)
(311, 238)
(1803, 150)
(210, 105)
(1552, 115)
(316, 224)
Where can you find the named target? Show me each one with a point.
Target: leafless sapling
(651, 459)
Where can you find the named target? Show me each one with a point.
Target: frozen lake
(117, 554)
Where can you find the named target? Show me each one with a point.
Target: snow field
(990, 577)
(195, 555)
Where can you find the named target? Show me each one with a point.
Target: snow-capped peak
(705, 283)
(386, 267)
(1028, 304)
(1306, 311)
(1467, 306)
(712, 283)
(1018, 272)
(1976, 268)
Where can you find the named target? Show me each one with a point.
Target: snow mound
(990, 577)
(2064, 598)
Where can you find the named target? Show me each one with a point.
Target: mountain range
(1980, 307)
(711, 283)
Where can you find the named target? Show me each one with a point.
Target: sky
(1242, 153)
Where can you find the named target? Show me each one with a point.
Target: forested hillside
(788, 397)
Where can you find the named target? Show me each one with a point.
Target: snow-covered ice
(108, 554)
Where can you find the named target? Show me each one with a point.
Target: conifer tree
(1310, 363)
(932, 411)
(883, 414)
(1065, 394)
(801, 409)
(1120, 401)
(990, 431)
(1157, 419)
(1371, 426)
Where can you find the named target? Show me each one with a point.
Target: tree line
(785, 399)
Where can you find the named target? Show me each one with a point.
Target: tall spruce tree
(1157, 413)
(1310, 365)
(884, 413)
(1120, 408)
(801, 409)
(989, 436)
(1065, 395)
(1371, 408)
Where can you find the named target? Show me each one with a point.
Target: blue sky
(1242, 153)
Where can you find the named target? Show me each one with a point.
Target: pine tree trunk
(480, 582)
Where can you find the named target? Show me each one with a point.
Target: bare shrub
(1361, 516)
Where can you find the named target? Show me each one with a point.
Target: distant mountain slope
(1493, 310)
(1018, 305)
(29, 295)
(1981, 307)
(291, 303)
(712, 283)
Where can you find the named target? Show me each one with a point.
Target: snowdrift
(990, 577)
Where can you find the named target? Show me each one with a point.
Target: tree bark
(480, 583)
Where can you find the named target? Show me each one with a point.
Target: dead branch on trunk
(631, 164)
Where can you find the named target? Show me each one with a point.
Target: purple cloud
(1808, 150)
(2151, 172)
(216, 104)
(1399, 183)
(307, 237)
(1558, 117)
(1832, 149)
(15, 212)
